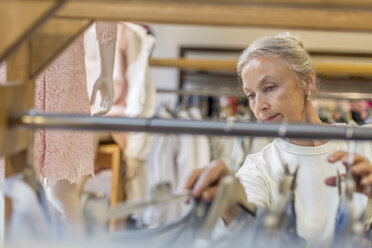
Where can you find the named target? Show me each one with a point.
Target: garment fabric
(315, 203)
(233, 150)
(230, 150)
(286, 235)
(202, 148)
(32, 218)
(140, 102)
(251, 231)
(241, 232)
(194, 150)
(180, 233)
(136, 179)
(222, 147)
(100, 184)
(162, 167)
(62, 87)
(141, 97)
(345, 233)
(257, 143)
(172, 158)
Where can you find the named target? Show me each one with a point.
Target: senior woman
(279, 80)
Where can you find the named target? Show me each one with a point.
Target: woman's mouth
(271, 118)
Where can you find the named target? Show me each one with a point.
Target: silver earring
(308, 95)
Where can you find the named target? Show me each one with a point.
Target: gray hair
(283, 46)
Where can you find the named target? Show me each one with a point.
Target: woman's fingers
(336, 156)
(362, 168)
(203, 182)
(366, 181)
(361, 171)
(209, 177)
(209, 194)
(344, 158)
(330, 181)
(191, 179)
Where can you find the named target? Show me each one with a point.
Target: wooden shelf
(322, 68)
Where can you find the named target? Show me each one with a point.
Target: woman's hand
(105, 86)
(204, 182)
(361, 171)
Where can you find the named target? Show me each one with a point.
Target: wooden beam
(51, 39)
(343, 69)
(322, 68)
(16, 97)
(195, 64)
(238, 50)
(19, 19)
(303, 3)
(336, 15)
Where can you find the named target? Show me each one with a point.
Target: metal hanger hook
(229, 125)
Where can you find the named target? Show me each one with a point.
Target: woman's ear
(310, 83)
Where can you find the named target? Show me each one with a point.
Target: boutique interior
(140, 123)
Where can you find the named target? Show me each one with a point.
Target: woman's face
(273, 91)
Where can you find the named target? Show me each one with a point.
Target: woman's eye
(269, 88)
(250, 96)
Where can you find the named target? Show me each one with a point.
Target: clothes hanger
(229, 194)
(349, 228)
(169, 111)
(160, 193)
(276, 217)
(98, 212)
(349, 181)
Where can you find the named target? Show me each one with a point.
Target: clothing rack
(170, 126)
(203, 92)
(44, 28)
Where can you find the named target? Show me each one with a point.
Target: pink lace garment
(62, 87)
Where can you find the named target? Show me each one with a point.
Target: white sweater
(315, 202)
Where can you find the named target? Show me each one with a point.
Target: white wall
(171, 37)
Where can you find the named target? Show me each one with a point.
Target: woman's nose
(261, 104)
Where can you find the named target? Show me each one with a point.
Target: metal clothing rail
(171, 126)
(204, 92)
